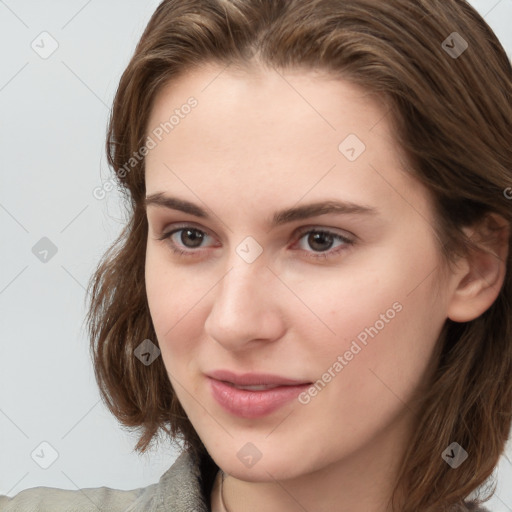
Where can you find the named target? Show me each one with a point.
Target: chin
(271, 466)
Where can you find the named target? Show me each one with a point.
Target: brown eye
(318, 240)
(190, 238)
(321, 241)
(191, 234)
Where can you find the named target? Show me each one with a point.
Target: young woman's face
(343, 300)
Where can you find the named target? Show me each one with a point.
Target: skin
(259, 142)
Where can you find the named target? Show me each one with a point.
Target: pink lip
(254, 404)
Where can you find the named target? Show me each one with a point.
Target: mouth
(254, 400)
(256, 381)
(261, 387)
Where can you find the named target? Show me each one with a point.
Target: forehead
(269, 133)
(262, 96)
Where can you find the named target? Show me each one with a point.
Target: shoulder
(180, 489)
(48, 499)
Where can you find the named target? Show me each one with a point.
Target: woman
(373, 373)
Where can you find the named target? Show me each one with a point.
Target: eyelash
(315, 256)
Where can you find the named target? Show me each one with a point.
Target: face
(343, 302)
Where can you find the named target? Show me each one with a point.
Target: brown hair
(453, 119)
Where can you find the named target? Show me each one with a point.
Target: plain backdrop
(53, 118)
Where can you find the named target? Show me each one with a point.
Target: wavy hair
(453, 119)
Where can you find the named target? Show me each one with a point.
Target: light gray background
(53, 117)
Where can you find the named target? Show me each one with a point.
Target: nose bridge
(244, 285)
(247, 265)
(244, 304)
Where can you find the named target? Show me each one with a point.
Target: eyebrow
(279, 218)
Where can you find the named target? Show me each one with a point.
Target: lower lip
(253, 404)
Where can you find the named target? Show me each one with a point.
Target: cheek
(385, 351)
(384, 322)
(174, 299)
(381, 365)
(168, 289)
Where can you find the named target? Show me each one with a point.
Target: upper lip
(253, 379)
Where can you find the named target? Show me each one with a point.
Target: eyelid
(183, 225)
(317, 227)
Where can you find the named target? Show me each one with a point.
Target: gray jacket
(185, 487)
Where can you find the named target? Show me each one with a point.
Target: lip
(253, 404)
(254, 379)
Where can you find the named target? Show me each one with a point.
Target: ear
(480, 278)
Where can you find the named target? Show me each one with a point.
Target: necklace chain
(221, 492)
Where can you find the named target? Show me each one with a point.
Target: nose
(246, 307)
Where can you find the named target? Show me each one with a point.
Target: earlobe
(479, 284)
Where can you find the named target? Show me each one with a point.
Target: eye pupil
(319, 236)
(198, 237)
